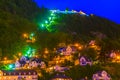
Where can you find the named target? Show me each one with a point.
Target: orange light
(79, 47)
(118, 57)
(17, 59)
(36, 56)
(46, 51)
(33, 39)
(5, 58)
(25, 35)
(19, 54)
(76, 44)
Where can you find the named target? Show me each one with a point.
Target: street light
(76, 44)
(5, 58)
(19, 54)
(46, 51)
(25, 35)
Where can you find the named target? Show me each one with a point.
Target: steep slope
(20, 16)
(16, 18)
(86, 25)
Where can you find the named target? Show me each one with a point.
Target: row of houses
(32, 75)
(18, 75)
(29, 63)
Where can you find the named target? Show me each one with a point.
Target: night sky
(109, 9)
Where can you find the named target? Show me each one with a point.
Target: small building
(101, 75)
(67, 50)
(92, 43)
(113, 55)
(84, 61)
(60, 68)
(19, 64)
(32, 63)
(35, 62)
(61, 77)
(22, 62)
(18, 75)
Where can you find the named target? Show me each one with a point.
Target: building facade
(101, 75)
(18, 75)
(84, 61)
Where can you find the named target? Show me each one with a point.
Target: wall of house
(15, 77)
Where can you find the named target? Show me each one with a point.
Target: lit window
(29, 76)
(4, 73)
(24, 73)
(14, 73)
(34, 73)
(19, 73)
(9, 73)
(29, 73)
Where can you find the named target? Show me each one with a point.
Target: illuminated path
(51, 19)
(69, 12)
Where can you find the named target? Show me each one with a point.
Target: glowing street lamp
(50, 18)
(25, 35)
(42, 25)
(5, 58)
(118, 57)
(46, 51)
(10, 66)
(33, 39)
(46, 21)
(19, 54)
(76, 44)
(17, 59)
(80, 47)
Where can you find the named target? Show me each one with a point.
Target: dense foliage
(22, 16)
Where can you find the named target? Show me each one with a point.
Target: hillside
(29, 31)
(22, 16)
(16, 17)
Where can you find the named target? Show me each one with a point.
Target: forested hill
(20, 16)
(24, 8)
(16, 17)
(87, 25)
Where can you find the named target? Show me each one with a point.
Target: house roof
(37, 60)
(64, 48)
(18, 72)
(22, 62)
(24, 58)
(100, 73)
(86, 58)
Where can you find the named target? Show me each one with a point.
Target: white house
(84, 61)
(17, 64)
(113, 55)
(101, 75)
(32, 63)
(67, 50)
(18, 75)
(35, 62)
(60, 68)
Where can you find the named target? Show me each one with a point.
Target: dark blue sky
(109, 9)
